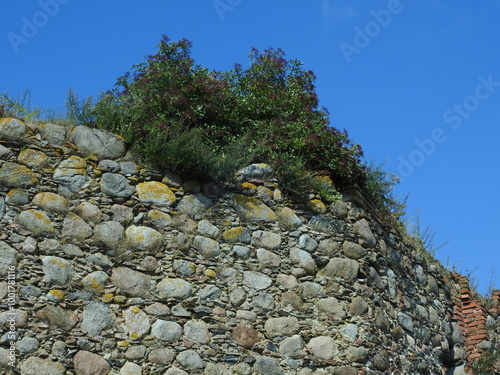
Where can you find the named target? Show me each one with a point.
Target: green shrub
(268, 112)
(487, 364)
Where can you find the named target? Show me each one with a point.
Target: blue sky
(416, 83)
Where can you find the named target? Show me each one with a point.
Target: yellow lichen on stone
(134, 335)
(316, 206)
(152, 191)
(232, 235)
(135, 310)
(119, 299)
(108, 297)
(58, 263)
(210, 273)
(124, 343)
(59, 294)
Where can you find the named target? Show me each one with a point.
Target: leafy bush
(183, 117)
(20, 107)
(487, 364)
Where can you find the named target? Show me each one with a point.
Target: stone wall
(110, 268)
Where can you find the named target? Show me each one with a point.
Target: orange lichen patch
(93, 283)
(325, 180)
(4, 120)
(124, 344)
(134, 335)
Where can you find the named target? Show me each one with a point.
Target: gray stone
(349, 332)
(54, 134)
(381, 361)
(260, 172)
(137, 322)
(39, 366)
(17, 197)
(173, 288)
(190, 360)
(197, 331)
(28, 345)
(263, 302)
(34, 159)
(89, 212)
(58, 317)
(115, 185)
(97, 316)
(144, 238)
(207, 229)
(286, 281)
(207, 247)
(358, 306)
(57, 270)
(167, 331)
(50, 202)
(241, 252)
(122, 214)
(267, 240)
(97, 142)
(310, 289)
(374, 280)
(193, 205)
(175, 371)
(155, 193)
(289, 219)
(7, 259)
(75, 228)
(268, 366)
(406, 322)
(5, 153)
(245, 334)
(107, 165)
(237, 235)
(60, 349)
(293, 347)
(252, 210)
(353, 250)
(268, 259)
(87, 363)
(209, 292)
(285, 326)
(362, 228)
(14, 130)
(331, 306)
(14, 175)
(130, 282)
(357, 354)
(257, 280)
(161, 356)
(96, 281)
(72, 174)
(307, 243)
(340, 267)
(157, 309)
(36, 222)
(129, 168)
(183, 267)
(329, 247)
(326, 225)
(130, 368)
(323, 347)
(172, 180)
(237, 296)
(217, 369)
(110, 234)
(456, 334)
(303, 259)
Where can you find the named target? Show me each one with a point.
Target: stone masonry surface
(107, 267)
